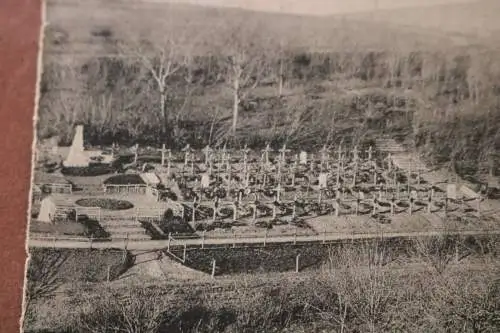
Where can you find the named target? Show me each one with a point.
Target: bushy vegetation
(358, 290)
(94, 169)
(125, 179)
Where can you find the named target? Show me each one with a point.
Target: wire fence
(234, 239)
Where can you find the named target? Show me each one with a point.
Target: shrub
(125, 179)
(94, 169)
(105, 203)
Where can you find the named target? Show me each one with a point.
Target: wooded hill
(164, 73)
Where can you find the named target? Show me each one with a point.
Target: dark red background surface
(20, 23)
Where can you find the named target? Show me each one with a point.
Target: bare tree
(362, 285)
(140, 311)
(243, 52)
(436, 251)
(42, 278)
(163, 58)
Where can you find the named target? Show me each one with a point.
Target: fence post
(295, 237)
(203, 239)
(265, 238)
(54, 242)
(297, 263)
(169, 240)
(324, 236)
(184, 253)
(478, 207)
(91, 241)
(108, 273)
(213, 268)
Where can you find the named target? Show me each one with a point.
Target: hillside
(468, 22)
(78, 24)
(304, 80)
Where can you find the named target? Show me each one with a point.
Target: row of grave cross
(339, 198)
(224, 154)
(166, 154)
(224, 159)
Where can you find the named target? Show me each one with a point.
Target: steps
(125, 229)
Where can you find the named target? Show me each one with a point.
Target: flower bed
(105, 203)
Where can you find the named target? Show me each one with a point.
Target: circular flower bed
(104, 203)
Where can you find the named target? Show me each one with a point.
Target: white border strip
(39, 68)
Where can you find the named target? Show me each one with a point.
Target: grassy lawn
(65, 228)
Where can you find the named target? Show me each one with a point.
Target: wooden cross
(265, 154)
(169, 161)
(355, 172)
(247, 179)
(370, 153)
(113, 147)
(278, 192)
(294, 211)
(136, 152)
(228, 162)
(283, 152)
(339, 153)
(355, 153)
(208, 154)
(245, 151)
(163, 151)
(324, 156)
(224, 157)
(187, 151)
(235, 210)
(216, 205)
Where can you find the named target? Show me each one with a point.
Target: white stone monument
(47, 210)
(77, 156)
(205, 180)
(303, 157)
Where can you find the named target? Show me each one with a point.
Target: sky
(316, 7)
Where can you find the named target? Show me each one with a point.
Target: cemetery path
(161, 244)
(150, 265)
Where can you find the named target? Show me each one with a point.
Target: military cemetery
(208, 169)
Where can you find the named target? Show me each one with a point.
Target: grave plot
(230, 191)
(221, 192)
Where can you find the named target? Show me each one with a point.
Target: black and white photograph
(284, 166)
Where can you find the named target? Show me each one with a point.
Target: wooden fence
(91, 212)
(56, 188)
(124, 189)
(149, 214)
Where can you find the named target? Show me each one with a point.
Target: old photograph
(266, 166)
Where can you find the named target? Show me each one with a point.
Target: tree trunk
(280, 83)
(236, 102)
(163, 110)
